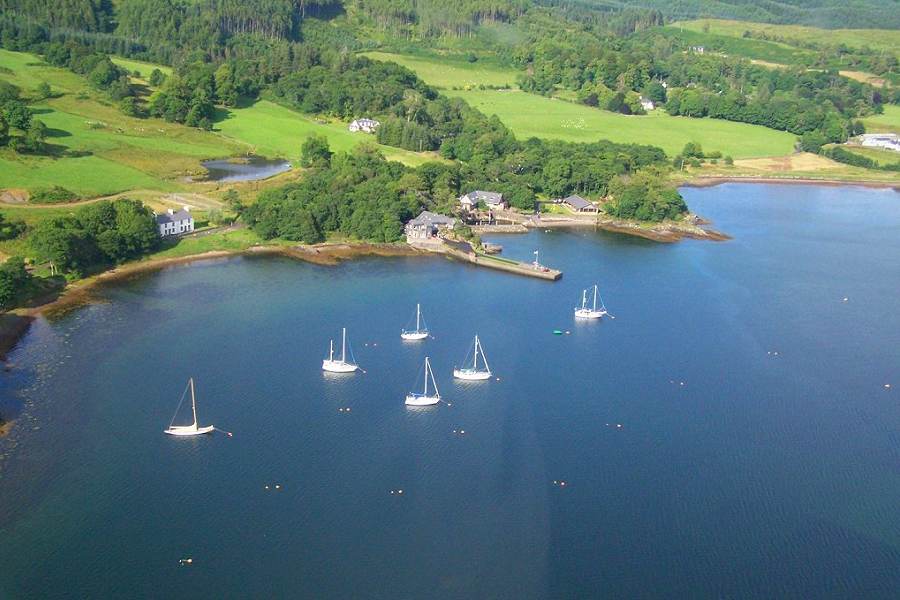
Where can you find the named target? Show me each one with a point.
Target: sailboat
(421, 330)
(473, 373)
(426, 398)
(340, 365)
(191, 429)
(590, 313)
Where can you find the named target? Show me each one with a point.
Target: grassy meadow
(448, 72)
(761, 50)
(144, 68)
(889, 122)
(529, 115)
(878, 39)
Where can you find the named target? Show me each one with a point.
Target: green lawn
(882, 157)
(451, 72)
(878, 39)
(889, 122)
(530, 115)
(275, 131)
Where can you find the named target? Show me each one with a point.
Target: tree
(4, 131)
(315, 152)
(44, 91)
(14, 277)
(156, 78)
(692, 150)
(812, 141)
(33, 141)
(17, 114)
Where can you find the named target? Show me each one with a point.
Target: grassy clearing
(530, 115)
(275, 131)
(770, 52)
(239, 239)
(889, 122)
(144, 68)
(879, 39)
(446, 72)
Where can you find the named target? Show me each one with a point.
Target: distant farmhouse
(647, 104)
(174, 222)
(427, 226)
(493, 200)
(698, 49)
(885, 141)
(578, 204)
(364, 125)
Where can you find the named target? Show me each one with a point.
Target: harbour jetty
(465, 252)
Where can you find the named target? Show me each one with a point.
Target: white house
(647, 104)
(578, 204)
(493, 200)
(885, 141)
(174, 222)
(427, 226)
(365, 125)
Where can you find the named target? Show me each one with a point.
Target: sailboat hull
(471, 374)
(338, 366)
(421, 400)
(586, 313)
(189, 430)
(414, 335)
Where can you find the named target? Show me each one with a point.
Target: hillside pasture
(761, 50)
(877, 39)
(889, 122)
(446, 72)
(529, 115)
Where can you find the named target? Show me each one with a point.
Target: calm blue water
(763, 475)
(251, 169)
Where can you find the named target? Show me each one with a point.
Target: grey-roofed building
(174, 222)
(579, 204)
(427, 225)
(366, 125)
(493, 200)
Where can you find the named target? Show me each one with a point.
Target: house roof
(365, 121)
(167, 217)
(429, 218)
(487, 197)
(577, 202)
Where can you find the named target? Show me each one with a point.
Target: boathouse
(578, 204)
(174, 222)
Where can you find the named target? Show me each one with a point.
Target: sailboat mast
(595, 296)
(475, 366)
(583, 299)
(193, 402)
(418, 312)
(331, 350)
(344, 344)
(426, 375)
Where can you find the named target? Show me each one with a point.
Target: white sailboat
(193, 428)
(590, 313)
(341, 365)
(420, 332)
(426, 398)
(474, 373)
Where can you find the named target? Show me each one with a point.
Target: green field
(273, 130)
(878, 39)
(882, 157)
(763, 50)
(451, 72)
(889, 122)
(529, 115)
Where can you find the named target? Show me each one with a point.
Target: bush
(52, 195)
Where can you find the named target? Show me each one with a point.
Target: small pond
(245, 169)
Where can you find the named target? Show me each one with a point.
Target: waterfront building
(578, 204)
(427, 226)
(493, 200)
(174, 222)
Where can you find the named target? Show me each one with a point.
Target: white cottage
(365, 125)
(174, 222)
(647, 104)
